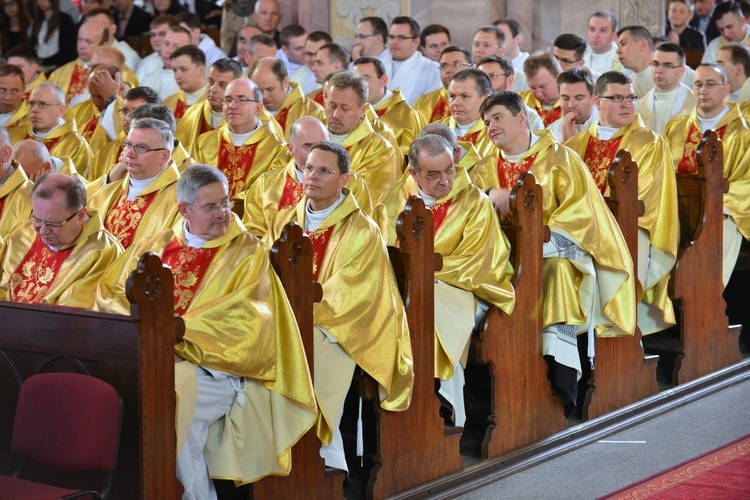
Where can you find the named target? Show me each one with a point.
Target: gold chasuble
(15, 199)
(574, 208)
(659, 227)
(177, 105)
(475, 254)
(547, 115)
(361, 307)
(317, 97)
(72, 78)
(684, 135)
(19, 117)
(476, 135)
(86, 116)
(195, 121)
(152, 211)
(263, 151)
(239, 321)
(38, 80)
(35, 274)
(63, 140)
(387, 133)
(279, 188)
(405, 121)
(373, 158)
(433, 106)
(295, 106)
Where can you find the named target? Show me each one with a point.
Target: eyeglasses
(52, 225)
(620, 98)
(42, 104)
(140, 149)
(492, 76)
(227, 101)
(320, 171)
(401, 38)
(567, 61)
(433, 176)
(656, 65)
(698, 85)
(360, 36)
(456, 64)
(212, 209)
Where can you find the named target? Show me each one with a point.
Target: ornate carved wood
(522, 408)
(622, 374)
(291, 257)
(414, 446)
(707, 342)
(134, 354)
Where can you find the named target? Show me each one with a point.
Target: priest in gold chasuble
(684, 135)
(541, 70)
(588, 271)
(658, 236)
(15, 188)
(60, 254)
(244, 391)
(475, 254)
(13, 108)
(433, 106)
(361, 319)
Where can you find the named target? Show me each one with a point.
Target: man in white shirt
(601, 34)
(152, 63)
(435, 38)
(370, 41)
(734, 59)
(576, 87)
(669, 98)
(569, 50)
(162, 81)
(513, 40)
(243, 38)
(732, 24)
(489, 40)
(292, 50)
(411, 73)
(636, 51)
(192, 23)
(305, 76)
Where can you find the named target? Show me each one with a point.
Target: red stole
(179, 109)
(34, 275)
(549, 115)
(125, 216)
(599, 156)
(2, 204)
(381, 112)
(236, 163)
(189, 266)
(319, 241)
(319, 99)
(688, 163)
(508, 172)
(292, 192)
(49, 143)
(281, 116)
(78, 82)
(438, 214)
(472, 138)
(88, 130)
(440, 110)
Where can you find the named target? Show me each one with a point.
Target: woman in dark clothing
(54, 33)
(163, 7)
(15, 24)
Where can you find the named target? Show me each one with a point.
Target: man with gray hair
(475, 272)
(464, 153)
(142, 203)
(46, 124)
(237, 319)
(15, 188)
(60, 253)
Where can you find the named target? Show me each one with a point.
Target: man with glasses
(305, 76)
(361, 320)
(684, 135)
(370, 41)
(142, 203)
(576, 259)
(61, 252)
(46, 124)
(433, 106)
(490, 40)
(734, 59)
(244, 147)
(475, 257)
(410, 72)
(670, 97)
(499, 69)
(569, 50)
(228, 368)
(15, 188)
(13, 108)
(541, 70)
(658, 231)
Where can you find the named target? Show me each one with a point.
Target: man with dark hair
(636, 52)
(389, 105)
(466, 91)
(679, 31)
(669, 98)
(244, 147)
(475, 254)
(284, 100)
(292, 49)
(433, 106)
(370, 41)
(731, 22)
(13, 108)
(684, 135)
(734, 59)
(435, 38)
(152, 63)
(658, 232)
(410, 72)
(189, 66)
(305, 76)
(191, 22)
(59, 254)
(576, 88)
(569, 49)
(162, 79)
(329, 58)
(15, 188)
(513, 40)
(600, 299)
(488, 41)
(541, 70)
(601, 35)
(27, 59)
(260, 45)
(243, 38)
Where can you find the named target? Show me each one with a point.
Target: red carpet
(722, 474)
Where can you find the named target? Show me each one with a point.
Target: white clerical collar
(707, 123)
(216, 118)
(57, 163)
(387, 95)
(464, 129)
(339, 139)
(192, 240)
(240, 139)
(606, 133)
(313, 219)
(193, 97)
(668, 96)
(274, 111)
(298, 174)
(137, 185)
(40, 136)
(732, 97)
(10, 171)
(429, 201)
(397, 65)
(5, 117)
(516, 158)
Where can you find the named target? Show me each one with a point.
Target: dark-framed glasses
(620, 98)
(140, 149)
(52, 225)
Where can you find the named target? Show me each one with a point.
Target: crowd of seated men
(109, 155)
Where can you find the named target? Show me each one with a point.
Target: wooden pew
(291, 257)
(693, 57)
(414, 447)
(133, 353)
(621, 374)
(522, 408)
(707, 343)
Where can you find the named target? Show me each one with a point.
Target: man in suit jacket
(131, 20)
